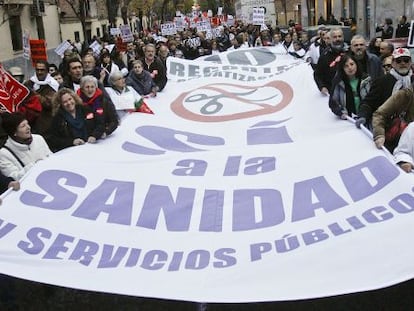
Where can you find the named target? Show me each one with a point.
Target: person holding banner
(98, 103)
(325, 69)
(155, 67)
(399, 77)
(349, 87)
(22, 148)
(73, 124)
(124, 97)
(398, 110)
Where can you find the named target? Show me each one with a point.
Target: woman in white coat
(22, 148)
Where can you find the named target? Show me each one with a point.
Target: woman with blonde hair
(73, 124)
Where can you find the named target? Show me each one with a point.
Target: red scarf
(95, 101)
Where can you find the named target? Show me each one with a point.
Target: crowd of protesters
(84, 98)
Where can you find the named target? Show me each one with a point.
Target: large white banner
(242, 187)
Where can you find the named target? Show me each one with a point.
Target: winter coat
(28, 155)
(400, 103)
(341, 100)
(61, 134)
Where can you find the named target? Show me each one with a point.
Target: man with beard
(325, 69)
(369, 64)
(399, 77)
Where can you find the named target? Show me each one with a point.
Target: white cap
(16, 71)
(400, 52)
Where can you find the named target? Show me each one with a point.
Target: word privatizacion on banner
(160, 198)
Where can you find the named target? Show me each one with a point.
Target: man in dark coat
(325, 69)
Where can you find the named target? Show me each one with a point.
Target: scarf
(403, 81)
(49, 80)
(77, 124)
(95, 101)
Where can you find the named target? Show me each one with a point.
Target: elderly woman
(22, 148)
(99, 103)
(73, 124)
(141, 80)
(124, 97)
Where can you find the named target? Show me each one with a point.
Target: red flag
(141, 106)
(12, 92)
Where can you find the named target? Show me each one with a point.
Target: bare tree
(79, 8)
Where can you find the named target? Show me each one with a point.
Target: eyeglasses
(387, 66)
(40, 69)
(403, 59)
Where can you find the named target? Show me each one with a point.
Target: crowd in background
(84, 98)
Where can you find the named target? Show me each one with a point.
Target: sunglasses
(387, 66)
(403, 59)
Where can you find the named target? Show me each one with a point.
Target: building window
(98, 32)
(77, 35)
(16, 33)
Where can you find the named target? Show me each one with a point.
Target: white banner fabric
(242, 187)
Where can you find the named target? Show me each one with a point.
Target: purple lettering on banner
(225, 260)
(50, 181)
(154, 260)
(58, 246)
(4, 230)
(336, 229)
(190, 167)
(314, 236)
(119, 210)
(355, 222)
(232, 166)
(133, 257)
(287, 243)
(260, 165)
(303, 205)
(377, 214)
(262, 134)
(36, 245)
(197, 259)
(109, 259)
(244, 209)
(257, 249)
(166, 139)
(84, 252)
(368, 177)
(175, 262)
(404, 203)
(177, 213)
(212, 211)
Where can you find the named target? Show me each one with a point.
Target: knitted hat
(11, 121)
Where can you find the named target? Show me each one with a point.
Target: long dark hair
(340, 73)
